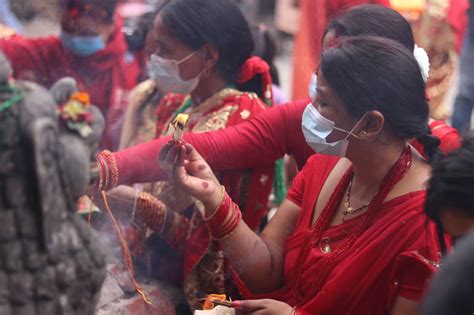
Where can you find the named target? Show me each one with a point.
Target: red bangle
(102, 181)
(221, 200)
(224, 221)
(110, 168)
(150, 211)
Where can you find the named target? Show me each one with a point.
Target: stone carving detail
(49, 260)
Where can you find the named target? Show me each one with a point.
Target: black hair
(265, 48)
(376, 20)
(374, 73)
(451, 186)
(136, 30)
(381, 21)
(220, 24)
(104, 9)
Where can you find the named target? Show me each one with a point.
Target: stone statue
(49, 260)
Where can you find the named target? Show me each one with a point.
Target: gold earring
(363, 133)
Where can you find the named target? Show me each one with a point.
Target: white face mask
(165, 73)
(316, 129)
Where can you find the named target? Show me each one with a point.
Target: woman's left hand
(263, 307)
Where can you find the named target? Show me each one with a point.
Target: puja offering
(218, 310)
(215, 304)
(179, 123)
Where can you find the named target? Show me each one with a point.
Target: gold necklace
(349, 210)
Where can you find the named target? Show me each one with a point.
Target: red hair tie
(257, 66)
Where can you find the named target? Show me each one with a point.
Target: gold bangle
(101, 179)
(221, 199)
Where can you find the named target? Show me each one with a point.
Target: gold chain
(349, 210)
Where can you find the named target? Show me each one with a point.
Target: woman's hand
(187, 169)
(263, 307)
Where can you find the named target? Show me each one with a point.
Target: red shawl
(394, 256)
(107, 75)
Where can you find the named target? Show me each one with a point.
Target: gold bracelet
(221, 199)
(100, 186)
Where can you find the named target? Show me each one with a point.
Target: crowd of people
(378, 218)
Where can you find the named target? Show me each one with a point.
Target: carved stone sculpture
(49, 261)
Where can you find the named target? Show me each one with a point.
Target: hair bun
(431, 146)
(429, 140)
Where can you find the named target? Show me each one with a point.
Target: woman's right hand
(187, 169)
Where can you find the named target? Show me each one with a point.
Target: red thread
(127, 257)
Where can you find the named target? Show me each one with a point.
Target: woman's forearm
(254, 143)
(253, 260)
(257, 259)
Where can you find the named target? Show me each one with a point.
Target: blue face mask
(82, 46)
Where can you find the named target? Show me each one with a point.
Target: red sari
(253, 143)
(230, 107)
(394, 250)
(204, 265)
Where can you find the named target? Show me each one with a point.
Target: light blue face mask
(316, 128)
(313, 86)
(165, 73)
(82, 46)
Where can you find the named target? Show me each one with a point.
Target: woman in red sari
(352, 237)
(277, 131)
(218, 84)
